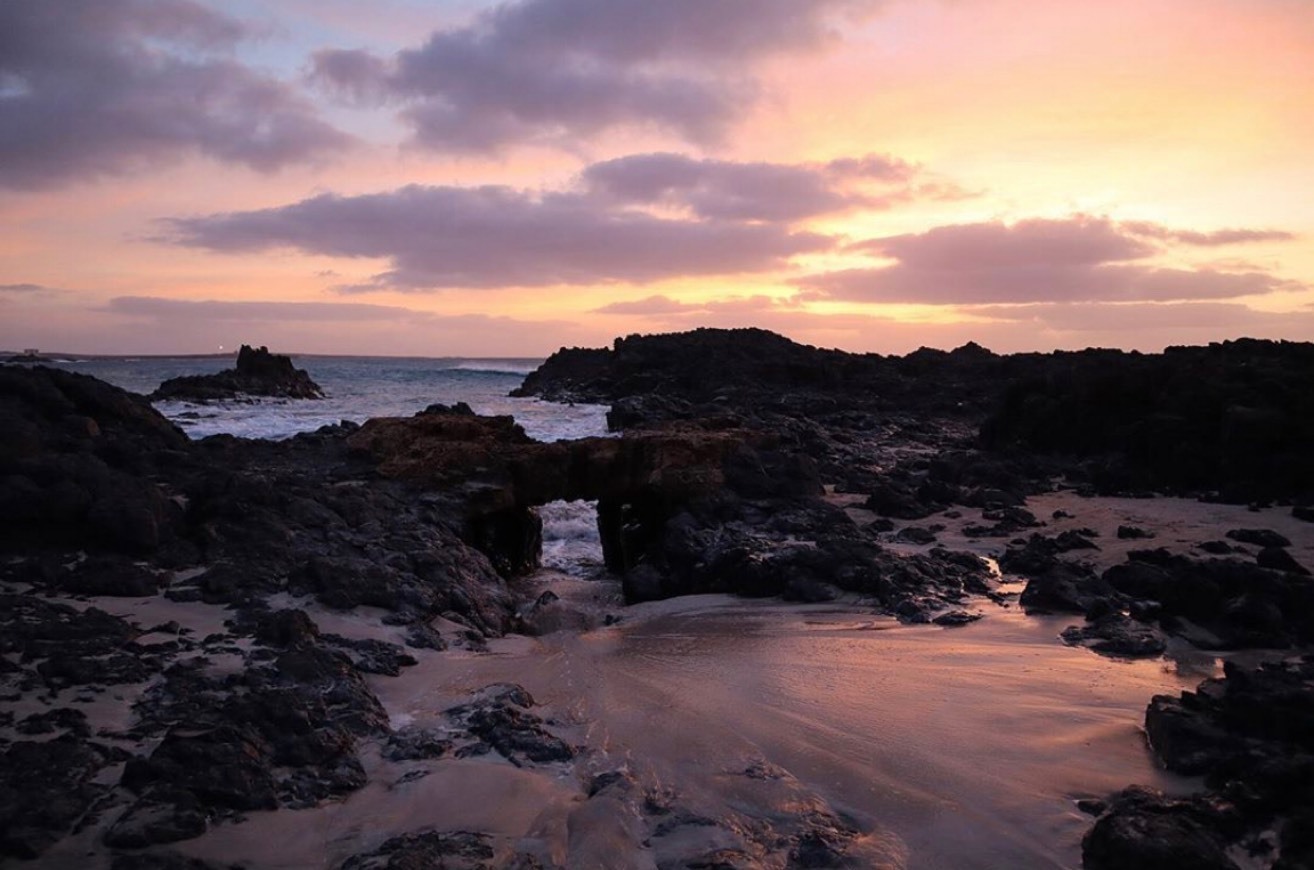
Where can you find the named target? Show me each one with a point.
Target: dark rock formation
(1145, 830)
(1117, 635)
(1230, 418)
(1233, 418)
(257, 373)
(1251, 735)
(46, 786)
(80, 463)
(499, 719)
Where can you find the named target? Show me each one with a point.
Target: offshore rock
(257, 373)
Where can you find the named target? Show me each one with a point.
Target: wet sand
(945, 747)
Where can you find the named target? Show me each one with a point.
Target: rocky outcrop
(1251, 735)
(257, 373)
(1232, 418)
(1229, 419)
(499, 475)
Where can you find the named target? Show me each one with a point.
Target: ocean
(356, 389)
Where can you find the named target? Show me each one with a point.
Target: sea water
(356, 389)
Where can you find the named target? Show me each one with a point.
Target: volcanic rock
(257, 373)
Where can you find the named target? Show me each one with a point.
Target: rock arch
(498, 474)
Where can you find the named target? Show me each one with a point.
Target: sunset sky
(459, 177)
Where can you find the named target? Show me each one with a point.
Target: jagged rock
(499, 717)
(257, 373)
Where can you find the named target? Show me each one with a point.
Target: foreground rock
(1251, 735)
(257, 373)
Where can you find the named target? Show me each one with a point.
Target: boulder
(1145, 830)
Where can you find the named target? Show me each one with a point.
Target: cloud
(23, 288)
(555, 70)
(1229, 318)
(666, 309)
(98, 87)
(743, 191)
(1080, 258)
(649, 306)
(496, 236)
(1210, 239)
(159, 308)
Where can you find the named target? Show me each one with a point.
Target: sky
(481, 178)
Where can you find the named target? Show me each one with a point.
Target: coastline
(345, 633)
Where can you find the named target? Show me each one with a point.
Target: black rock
(1133, 533)
(1144, 830)
(453, 851)
(225, 767)
(499, 717)
(1279, 559)
(257, 373)
(1068, 588)
(45, 787)
(1259, 537)
(1117, 635)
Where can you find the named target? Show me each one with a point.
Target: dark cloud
(554, 70)
(498, 236)
(743, 191)
(23, 288)
(1075, 259)
(95, 87)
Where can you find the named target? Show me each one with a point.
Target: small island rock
(258, 373)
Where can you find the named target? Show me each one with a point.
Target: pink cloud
(1080, 258)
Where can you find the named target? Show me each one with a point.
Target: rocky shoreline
(229, 684)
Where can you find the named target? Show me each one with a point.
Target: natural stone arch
(499, 475)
